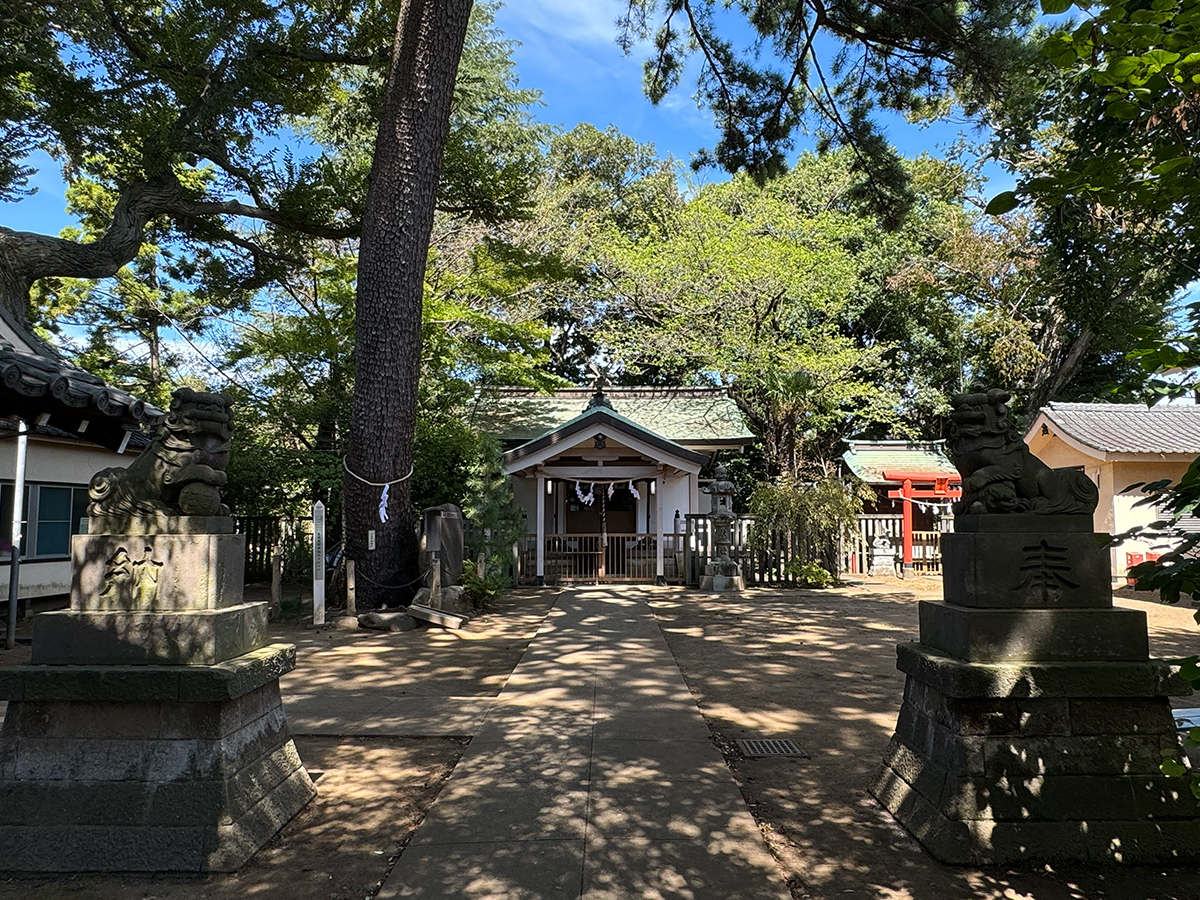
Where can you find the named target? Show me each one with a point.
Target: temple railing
(597, 558)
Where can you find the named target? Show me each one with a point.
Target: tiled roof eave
(1135, 430)
(595, 417)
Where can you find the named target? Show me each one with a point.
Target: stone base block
(1046, 635)
(156, 572)
(1033, 680)
(1013, 777)
(184, 684)
(195, 638)
(157, 523)
(718, 583)
(722, 576)
(436, 616)
(1028, 570)
(146, 785)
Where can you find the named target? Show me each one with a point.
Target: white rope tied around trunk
(386, 485)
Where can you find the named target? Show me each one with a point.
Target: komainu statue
(999, 473)
(182, 471)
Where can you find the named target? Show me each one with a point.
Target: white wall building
(76, 425)
(1120, 445)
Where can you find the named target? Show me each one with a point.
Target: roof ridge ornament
(598, 398)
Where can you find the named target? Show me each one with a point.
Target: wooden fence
(263, 535)
(927, 545)
(927, 552)
(776, 563)
(633, 557)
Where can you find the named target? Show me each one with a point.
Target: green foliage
(595, 182)
(444, 459)
(267, 479)
(828, 66)
(1101, 135)
(488, 504)
(179, 110)
(492, 160)
(1118, 176)
(128, 321)
(1172, 764)
(810, 574)
(1136, 67)
(820, 512)
(483, 591)
(824, 325)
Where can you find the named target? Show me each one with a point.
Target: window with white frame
(52, 513)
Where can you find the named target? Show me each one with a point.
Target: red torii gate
(945, 487)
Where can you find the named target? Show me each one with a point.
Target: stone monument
(883, 557)
(148, 734)
(722, 573)
(442, 601)
(442, 543)
(1033, 721)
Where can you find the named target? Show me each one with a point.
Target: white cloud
(572, 21)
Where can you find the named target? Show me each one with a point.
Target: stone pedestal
(146, 768)
(883, 558)
(148, 735)
(722, 576)
(1033, 722)
(153, 599)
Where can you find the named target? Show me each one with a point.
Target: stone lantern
(722, 573)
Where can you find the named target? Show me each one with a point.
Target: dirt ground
(814, 666)
(819, 667)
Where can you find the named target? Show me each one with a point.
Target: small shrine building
(915, 484)
(607, 476)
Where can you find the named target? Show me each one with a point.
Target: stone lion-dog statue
(999, 473)
(182, 471)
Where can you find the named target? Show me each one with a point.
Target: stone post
(1034, 721)
(539, 578)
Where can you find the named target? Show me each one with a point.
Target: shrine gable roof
(871, 460)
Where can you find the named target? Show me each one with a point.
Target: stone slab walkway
(591, 775)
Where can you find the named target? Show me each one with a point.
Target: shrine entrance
(603, 493)
(916, 487)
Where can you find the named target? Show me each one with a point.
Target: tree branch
(205, 208)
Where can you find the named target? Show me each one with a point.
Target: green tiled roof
(682, 415)
(870, 459)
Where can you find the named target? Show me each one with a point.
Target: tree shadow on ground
(819, 667)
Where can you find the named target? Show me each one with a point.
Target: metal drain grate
(770, 747)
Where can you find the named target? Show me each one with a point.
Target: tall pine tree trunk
(391, 267)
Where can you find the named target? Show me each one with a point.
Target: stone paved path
(591, 775)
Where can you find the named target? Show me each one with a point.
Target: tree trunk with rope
(397, 222)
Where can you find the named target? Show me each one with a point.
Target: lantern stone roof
(697, 418)
(1101, 429)
(871, 460)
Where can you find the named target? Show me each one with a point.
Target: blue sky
(566, 49)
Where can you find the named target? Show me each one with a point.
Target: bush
(810, 575)
(818, 513)
(481, 593)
